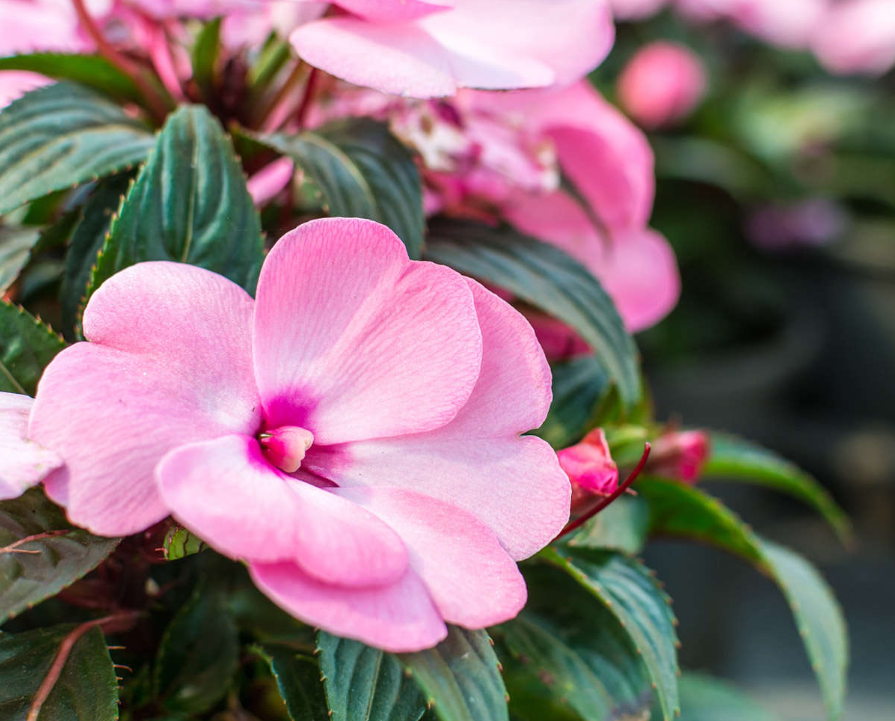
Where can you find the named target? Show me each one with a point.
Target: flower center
(286, 446)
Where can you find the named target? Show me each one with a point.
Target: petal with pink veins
(23, 463)
(477, 463)
(399, 617)
(471, 579)
(354, 341)
(227, 493)
(168, 363)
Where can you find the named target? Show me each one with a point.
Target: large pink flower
(429, 48)
(353, 433)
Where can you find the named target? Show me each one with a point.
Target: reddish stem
(11, 548)
(310, 91)
(157, 104)
(578, 522)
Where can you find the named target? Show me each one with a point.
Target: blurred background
(775, 157)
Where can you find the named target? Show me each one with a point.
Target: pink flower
(857, 36)
(430, 48)
(23, 463)
(661, 84)
(352, 434)
(590, 469)
(680, 455)
(635, 9)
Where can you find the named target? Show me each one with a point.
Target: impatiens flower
(430, 48)
(680, 455)
(590, 469)
(23, 463)
(857, 36)
(661, 84)
(352, 433)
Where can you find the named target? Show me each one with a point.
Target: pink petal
(354, 341)
(476, 462)
(405, 59)
(227, 493)
(399, 617)
(169, 363)
(393, 11)
(14, 84)
(270, 180)
(23, 463)
(471, 579)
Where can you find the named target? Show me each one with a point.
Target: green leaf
(460, 677)
(198, 654)
(180, 543)
(363, 171)
(568, 657)
(704, 698)
(621, 526)
(548, 278)
(15, 249)
(85, 689)
(87, 240)
(366, 684)
(93, 71)
(298, 680)
(56, 137)
(682, 511)
(189, 204)
(578, 387)
(628, 590)
(26, 347)
(740, 460)
(35, 570)
(205, 54)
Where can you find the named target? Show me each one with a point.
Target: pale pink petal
(405, 59)
(513, 485)
(471, 579)
(270, 180)
(14, 84)
(353, 341)
(857, 36)
(227, 493)
(169, 363)
(23, 463)
(637, 268)
(399, 617)
(393, 11)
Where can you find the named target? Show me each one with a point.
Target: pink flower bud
(661, 84)
(679, 455)
(590, 469)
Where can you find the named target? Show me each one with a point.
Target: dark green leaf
(60, 559)
(683, 511)
(206, 51)
(548, 278)
(628, 590)
(15, 248)
(274, 55)
(26, 347)
(704, 698)
(189, 204)
(298, 679)
(56, 137)
(621, 526)
(568, 657)
(87, 239)
(363, 171)
(198, 654)
(460, 677)
(366, 684)
(94, 71)
(739, 460)
(578, 386)
(85, 689)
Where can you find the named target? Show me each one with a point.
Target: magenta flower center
(285, 447)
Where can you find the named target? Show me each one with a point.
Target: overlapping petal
(23, 463)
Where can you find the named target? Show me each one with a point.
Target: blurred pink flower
(857, 36)
(591, 470)
(788, 23)
(636, 9)
(680, 455)
(430, 48)
(23, 463)
(662, 84)
(354, 436)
